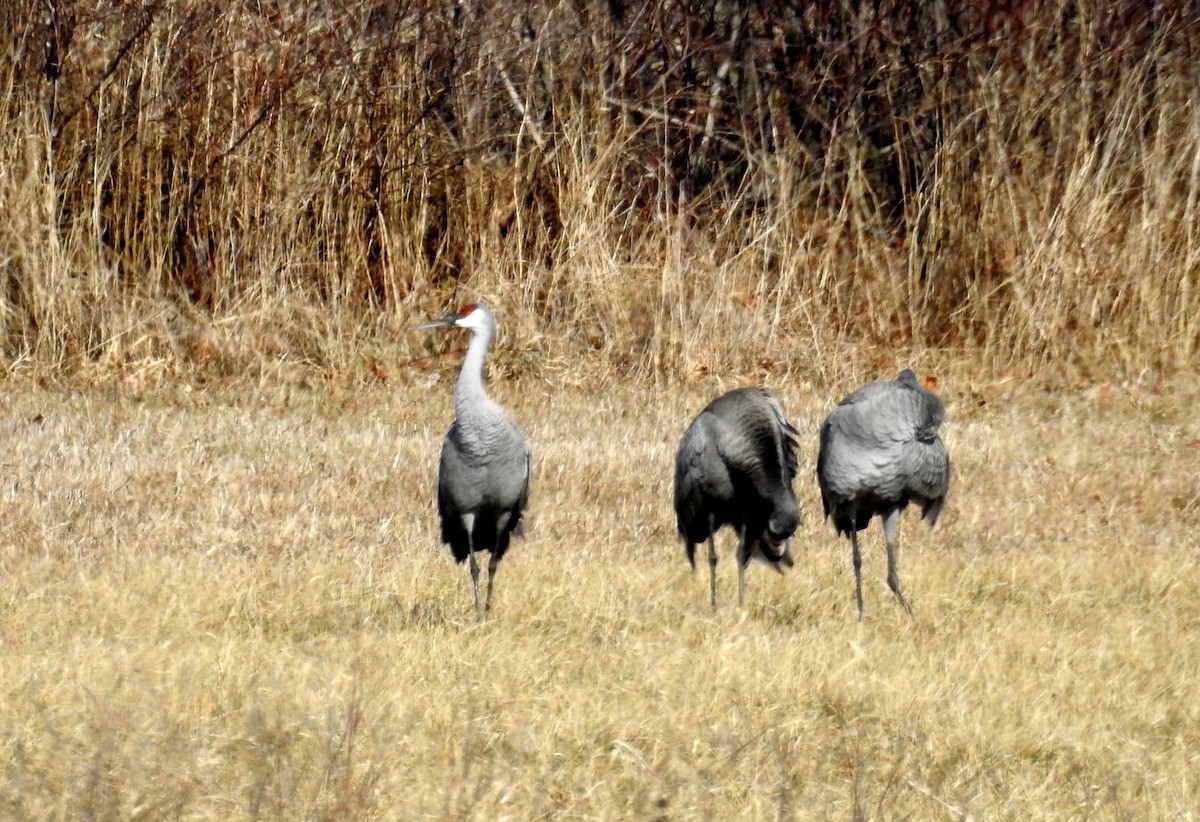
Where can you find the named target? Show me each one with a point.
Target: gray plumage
(486, 465)
(735, 466)
(881, 450)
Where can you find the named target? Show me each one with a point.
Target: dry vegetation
(221, 591)
(223, 186)
(230, 604)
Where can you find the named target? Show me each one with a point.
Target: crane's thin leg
(743, 559)
(712, 569)
(468, 521)
(856, 559)
(891, 525)
(493, 564)
(475, 580)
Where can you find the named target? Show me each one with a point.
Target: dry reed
(225, 188)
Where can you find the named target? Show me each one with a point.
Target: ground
(229, 602)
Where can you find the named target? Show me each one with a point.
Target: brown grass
(229, 603)
(221, 591)
(218, 188)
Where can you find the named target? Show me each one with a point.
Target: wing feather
(881, 446)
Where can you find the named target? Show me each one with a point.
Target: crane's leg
(856, 560)
(743, 559)
(468, 521)
(712, 569)
(493, 564)
(891, 526)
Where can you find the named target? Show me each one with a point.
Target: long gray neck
(470, 393)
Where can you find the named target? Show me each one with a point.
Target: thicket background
(654, 189)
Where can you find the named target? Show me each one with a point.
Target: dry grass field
(227, 602)
(221, 592)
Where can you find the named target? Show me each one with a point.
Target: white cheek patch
(473, 321)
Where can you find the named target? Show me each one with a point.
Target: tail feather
(932, 509)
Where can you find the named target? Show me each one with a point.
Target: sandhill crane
(483, 478)
(880, 450)
(735, 465)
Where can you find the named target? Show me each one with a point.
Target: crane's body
(881, 450)
(486, 464)
(735, 466)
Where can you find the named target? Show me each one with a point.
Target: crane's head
(774, 544)
(774, 552)
(475, 317)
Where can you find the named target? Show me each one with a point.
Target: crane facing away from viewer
(486, 465)
(881, 450)
(735, 465)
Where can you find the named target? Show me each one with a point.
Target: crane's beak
(449, 319)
